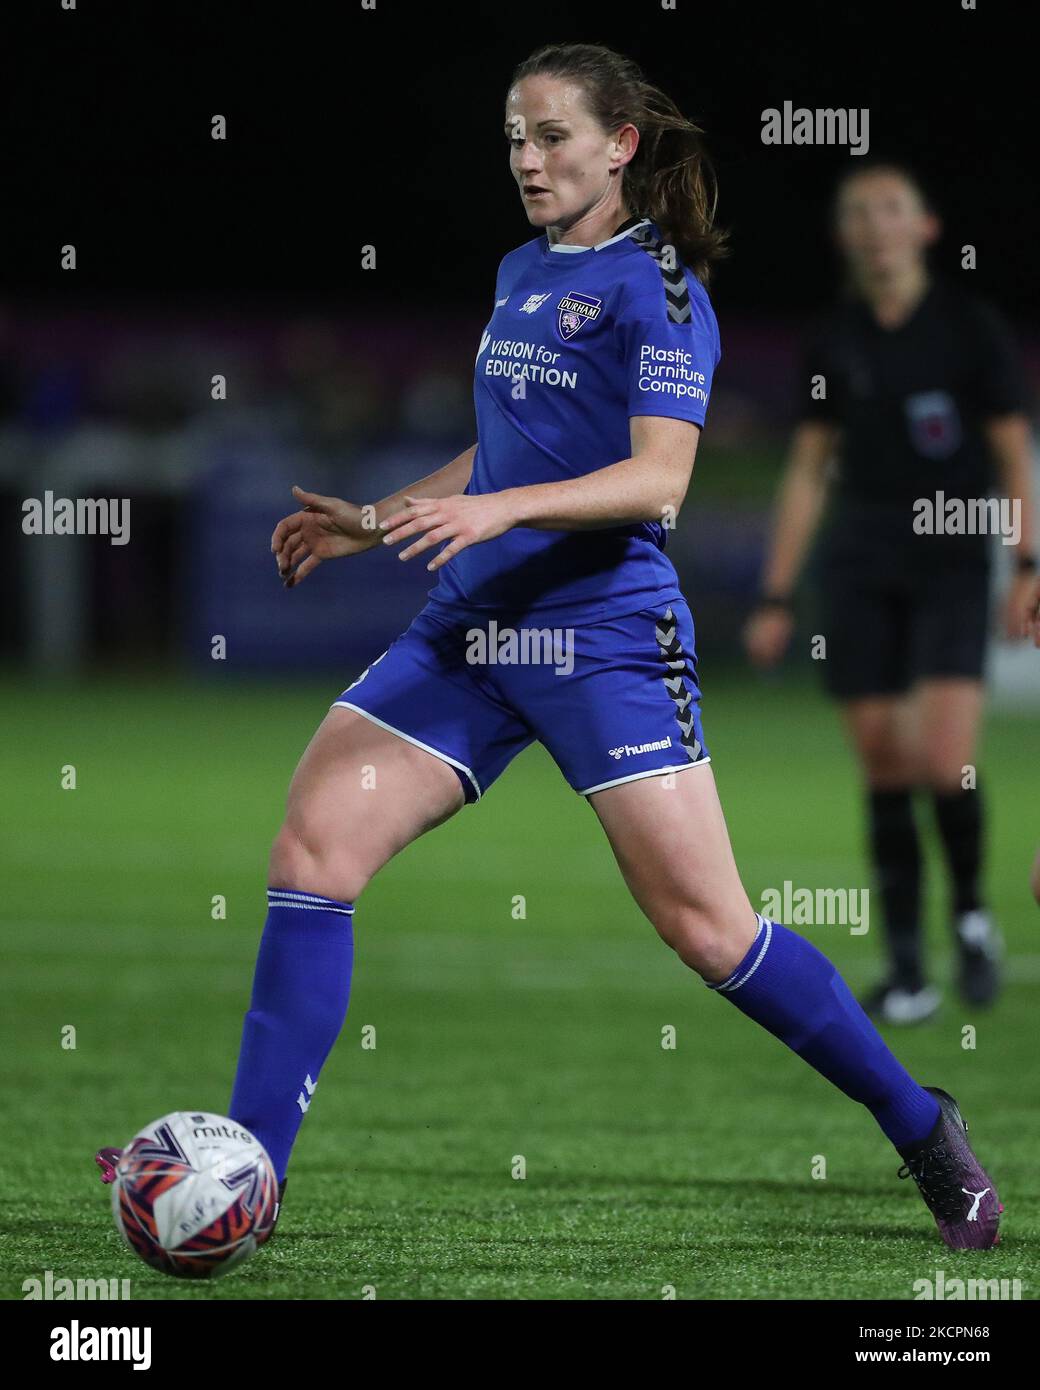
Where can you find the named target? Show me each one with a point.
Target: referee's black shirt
(911, 403)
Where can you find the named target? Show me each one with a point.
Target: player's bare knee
(311, 863)
(941, 773)
(887, 767)
(701, 940)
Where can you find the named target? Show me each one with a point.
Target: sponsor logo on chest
(533, 302)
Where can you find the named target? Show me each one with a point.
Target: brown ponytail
(669, 179)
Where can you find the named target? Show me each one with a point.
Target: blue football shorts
(612, 701)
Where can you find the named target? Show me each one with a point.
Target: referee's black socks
(959, 816)
(896, 850)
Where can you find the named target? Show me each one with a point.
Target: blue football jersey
(580, 340)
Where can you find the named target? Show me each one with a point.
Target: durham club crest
(574, 310)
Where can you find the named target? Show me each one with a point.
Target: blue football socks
(790, 988)
(300, 993)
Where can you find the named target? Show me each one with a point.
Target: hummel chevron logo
(671, 653)
(973, 1214)
(303, 1101)
(676, 291)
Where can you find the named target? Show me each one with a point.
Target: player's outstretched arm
(799, 506)
(328, 528)
(645, 487)
(1010, 440)
(1033, 612)
(650, 485)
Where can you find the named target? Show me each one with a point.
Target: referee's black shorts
(893, 615)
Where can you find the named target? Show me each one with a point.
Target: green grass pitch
(647, 1169)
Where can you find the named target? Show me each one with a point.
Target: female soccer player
(916, 387)
(592, 379)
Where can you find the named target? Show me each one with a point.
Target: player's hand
(326, 529)
(767, 634)
(461, 520)
(1021, 618)
(1019, 606)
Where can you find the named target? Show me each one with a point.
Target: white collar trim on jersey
(600, 245)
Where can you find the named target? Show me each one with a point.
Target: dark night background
(349, 127)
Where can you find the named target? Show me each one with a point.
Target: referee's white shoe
(979, 950)
(893, 1003)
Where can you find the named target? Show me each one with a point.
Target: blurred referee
(914, 388)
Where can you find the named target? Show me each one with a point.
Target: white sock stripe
(307, 902)
(304, 897)
(316, 907)
(728, 986)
